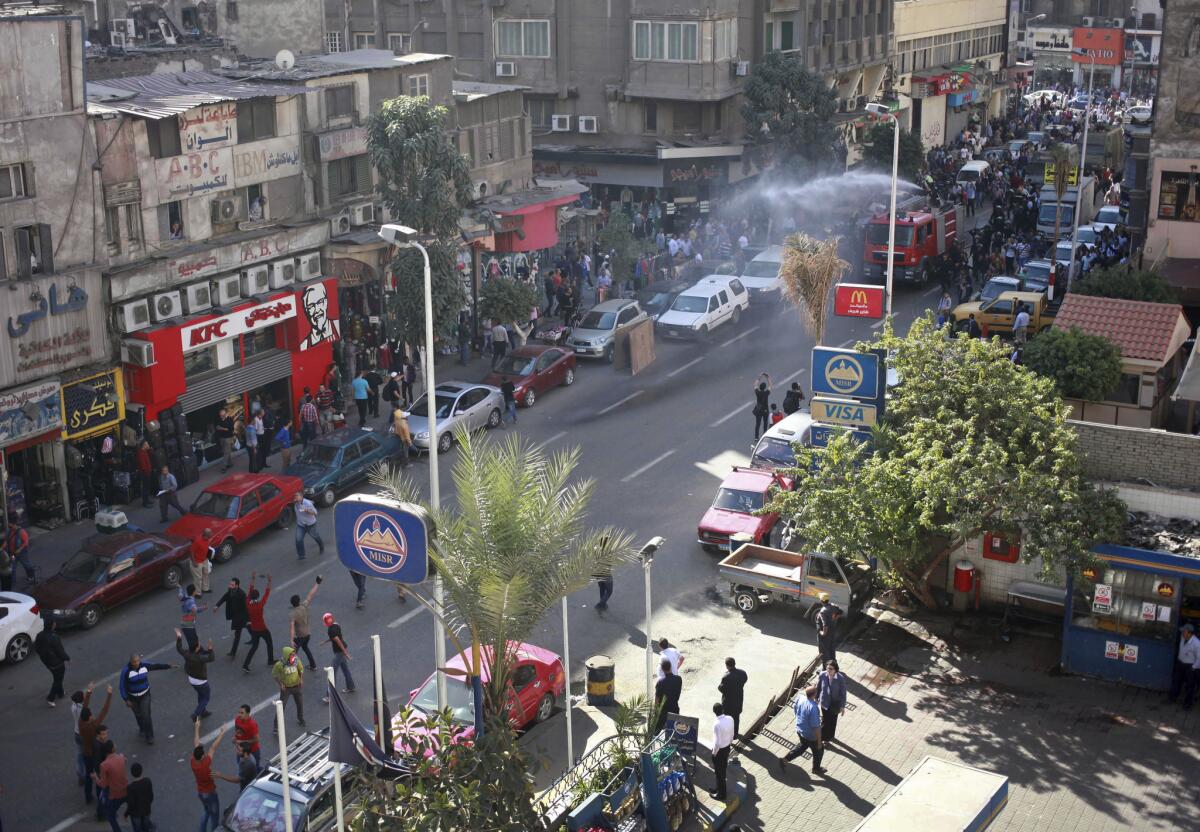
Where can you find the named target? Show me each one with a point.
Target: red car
(743, 492)
(238, 507)
(533, 370)
(110, 569)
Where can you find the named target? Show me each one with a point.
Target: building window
(348, 176)
(258, 341)
(364, 40)
(725, 46)
(164, 137)
(34, 249)
(418, 86)
(687, 116)
(170, 221)
(523, 38)
(649, 116)
(664, 41)
(256, 119)
(339, 101)
(399, 42)
(12, 182)
(256, 203)
(769, 37)
(540, 111)
(786, 35)
(199, 361)
(133, 224)
(333, 41)
(112, 228)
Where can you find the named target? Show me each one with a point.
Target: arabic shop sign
(92, 404)
(342, 144)
(685, 172)
(208, 128)
(29, 411)
(194, 174)
(262, 161)
(74, 300)
(206, 333)
(1049, 38)
(53, 324)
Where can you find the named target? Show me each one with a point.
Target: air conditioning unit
(226, 210)
(362, 214)
(197, 297)
(138, 353)
(226, 290)
(339, 223)
(133, 316)
(118, 39)
(283, 273)
(506, 69)
(166, 306)
(1088, 22)
(560, 124)
(126, 26)
(588, 124)
(741, 68)
(310, 266)
(256, 280)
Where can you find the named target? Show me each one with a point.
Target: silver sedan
(460, 405)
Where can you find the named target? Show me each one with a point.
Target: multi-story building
(1048, 42)
(59, 390)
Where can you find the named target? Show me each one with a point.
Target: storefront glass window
(199, 361)
(1127, 603)
(259, 341)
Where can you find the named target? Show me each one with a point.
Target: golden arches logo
(858, 297)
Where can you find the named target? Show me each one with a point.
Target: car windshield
(85, 567)
(1047, 211)
(777, 453)
(318, 454)
(731, 499)
(690, 303)
(655, 301)
(1088, 235)
(1110, 214)
(995, 287)
(877, 233)
(444, 406)
(761, 268)
(258, 810)
(1036, 276)
(598, 320)
(212, 504)
(516, 365)
(458, 695)
(968, 175)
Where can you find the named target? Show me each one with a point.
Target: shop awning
(528, 220)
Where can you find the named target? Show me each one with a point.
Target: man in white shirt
(666, 651)
(1187, 666)
(1021, 326)
(722, 742)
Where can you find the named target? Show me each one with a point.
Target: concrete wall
(1121, 454)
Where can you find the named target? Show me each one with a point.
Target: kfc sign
(858, 300)
(1106, 45)
(207, 333)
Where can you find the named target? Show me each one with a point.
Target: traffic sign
(819, 436)
(383, 538)
(858, 300)
(843, 412)
(845, 373)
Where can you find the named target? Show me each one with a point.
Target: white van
(761, 275)
(972, 171)
(696, 312)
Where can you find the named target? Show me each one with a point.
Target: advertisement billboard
(1107, 45)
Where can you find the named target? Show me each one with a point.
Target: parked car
(460, 406)
(332, 463)
(238, 507)
(774, 448)
(996, 285)
(759, 575)
(1141, 114)
(534, 370)
(711, 303)
(1035, 276)
(659, 295)
(20, 623)
(996, 317)
(1018, 146)
(110, 569)
(761, 276)
(1110, 216)
(595, 335)
(743, 492)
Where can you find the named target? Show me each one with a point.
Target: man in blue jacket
(808, 727)
(135, 690)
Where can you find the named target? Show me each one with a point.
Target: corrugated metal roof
(171, 93)
(308, 67)
(472, 90)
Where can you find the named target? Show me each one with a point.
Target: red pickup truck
(743, 492)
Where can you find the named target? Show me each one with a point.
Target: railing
(556, 801)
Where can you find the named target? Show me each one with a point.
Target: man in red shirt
(258, 627)
(112, 777)
(206, 787)
(245, 733)
(201, 562)
(145, 469)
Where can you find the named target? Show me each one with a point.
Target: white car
(460, 404)
(714, 301)
(1055, 97)
(761, 275)
(1110, 216)
(1140, 114)
(19, 625)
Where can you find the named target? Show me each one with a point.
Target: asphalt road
(657, 445)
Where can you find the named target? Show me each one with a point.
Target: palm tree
(810, 269)
(1062, 164)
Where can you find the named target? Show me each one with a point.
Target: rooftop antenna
(284, 59)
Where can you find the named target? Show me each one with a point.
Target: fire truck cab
(922, 237)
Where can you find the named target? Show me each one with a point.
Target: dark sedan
(336, 461)
(659, 295)
(108, 570)
(533, 370)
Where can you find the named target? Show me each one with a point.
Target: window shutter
(47, 248)
(3, 262)
(333, 179)
(362, 173)
(21, 238)
(245, 122)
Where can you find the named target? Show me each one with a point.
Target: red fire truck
(922, 236)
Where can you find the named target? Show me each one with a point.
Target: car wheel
(90, 616)
(746, 601)
(704, 333)
(569, 378)
(609, 354)
(328, 496)
(544, 709)
(285, 518)
(529, 398)
(224, 552)
(18, 648)
(444, 442)
(737, 315)
(172, 577)
(711, 548)
(494, 416)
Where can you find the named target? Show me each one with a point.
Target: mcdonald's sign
(858, 300)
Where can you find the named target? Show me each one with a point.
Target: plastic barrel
(601, 675)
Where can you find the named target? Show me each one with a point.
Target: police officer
(826, 621)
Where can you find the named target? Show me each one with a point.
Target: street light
(402, 236)
(1087, 117)
(891, 249)
(647, 554)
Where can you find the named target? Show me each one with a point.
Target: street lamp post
(1087, 117)
(402, 236)
(891, 249)
(647, 553)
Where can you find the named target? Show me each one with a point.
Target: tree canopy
(1082, 366)
(797, 107)
(1122, 282)
(507, 300)
(971, 442)
(877, 151)
(616, 240)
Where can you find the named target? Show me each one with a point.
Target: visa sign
(844, 412)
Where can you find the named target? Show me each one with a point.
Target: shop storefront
(30, 433)
(99, 463)
(358, 262)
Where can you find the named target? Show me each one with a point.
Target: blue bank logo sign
(838, 372)
(380, 542)
(382, 538)
(845, 374)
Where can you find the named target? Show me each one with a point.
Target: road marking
(408, 616)
(615, 405)
(846, 343)
(930, 291)
(647, 466)
(691, 363)
(740, 337)
(741, 411)
(877, 324)
(554, 438)
(68, 823)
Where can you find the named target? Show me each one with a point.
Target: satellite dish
(284, 59)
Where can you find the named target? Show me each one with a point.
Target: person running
(255, 605)
(245, 733)
(306, 524)
(111, 777)
(206, 787)
(139, 797)
(54, 656)
(195, 663)
(236, 612)
(341, 653)
(298, 623)
(135, 691)
(288, 673)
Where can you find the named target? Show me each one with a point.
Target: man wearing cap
(826, 621)
(1187, 667)
(341, 654)
(391, 391)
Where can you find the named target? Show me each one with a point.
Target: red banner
(1107, 45)
(858, 300)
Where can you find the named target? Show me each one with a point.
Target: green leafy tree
(877, 151)
(616, 240)
(1082, 366)
(796, 107)
(507, 300)
(1125, 283)
(425, 182)
(972, 442)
